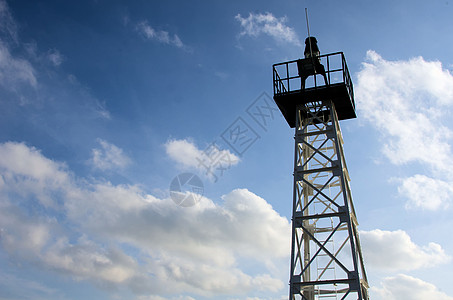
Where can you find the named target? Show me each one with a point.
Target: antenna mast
(308, 30)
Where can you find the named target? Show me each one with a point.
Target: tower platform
(289, 90)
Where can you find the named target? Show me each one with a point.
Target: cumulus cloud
(257, 24)
(425, 192)
(109, 157)
(404, 100)
(36, 239)
(408, 102)
(194, 250)
(161, 36)
(188, 155)
(407, 287)
(39, 175)
(395, 251)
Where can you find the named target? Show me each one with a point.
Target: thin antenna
(308, 30)
(306, 18)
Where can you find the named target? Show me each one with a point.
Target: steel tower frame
(326, 256)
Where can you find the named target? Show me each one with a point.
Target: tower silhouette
(314, 94)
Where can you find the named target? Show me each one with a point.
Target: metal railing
(287, 78)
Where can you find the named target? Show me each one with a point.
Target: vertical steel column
(326, 258)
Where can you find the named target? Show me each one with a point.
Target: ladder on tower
(324, 263)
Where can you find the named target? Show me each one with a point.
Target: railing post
(328, 68)
(273, 79)
(342, 67)
(287, 76)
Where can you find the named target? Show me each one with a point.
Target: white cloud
(109, 157)
(187, 154)
(162, 298)
(23, 74)
(282, 297)
(405, 101)
(184, 152)
(257, 24)
(395, 251)
(39, 175)
(7, 23)
(407, 287)
(55, 57)
(37, 241)
(194, 250)
(85, 259)
(425, 192)
(161, 36)
(408, 102)
(14, 71)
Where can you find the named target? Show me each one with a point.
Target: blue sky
(104, 103)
